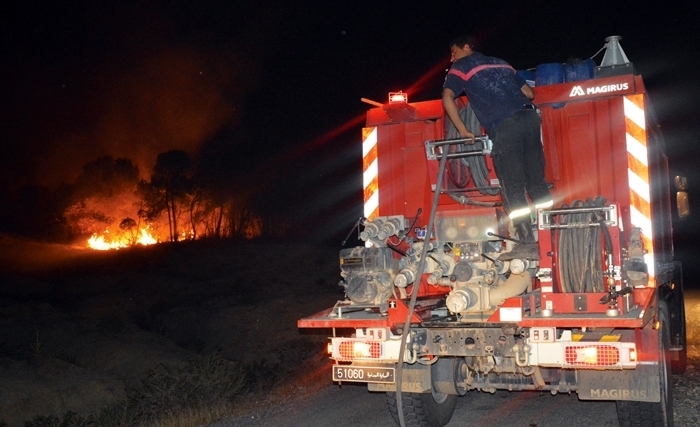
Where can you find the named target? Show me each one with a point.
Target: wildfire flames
(119, 211)
(101, 243)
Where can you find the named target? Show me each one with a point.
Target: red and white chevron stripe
(370, 172)
(638, 174)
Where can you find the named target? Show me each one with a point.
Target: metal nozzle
(614, 55)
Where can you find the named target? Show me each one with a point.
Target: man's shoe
(522, 250)
(526, 248)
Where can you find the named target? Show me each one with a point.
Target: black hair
(465, 39)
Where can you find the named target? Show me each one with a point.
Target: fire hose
(414, 294)
(580, 261)
(475, 164)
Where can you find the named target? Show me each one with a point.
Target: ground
(79, 328)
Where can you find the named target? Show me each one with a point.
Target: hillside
(79, 329)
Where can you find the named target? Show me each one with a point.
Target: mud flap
(640, 384)
(416, 379)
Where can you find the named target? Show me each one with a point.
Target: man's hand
(448, 102)
(527, 91)
(467, 134)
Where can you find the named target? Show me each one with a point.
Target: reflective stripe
(370, 172)
(544, 205)
(603, 338)
(638, 174)
(467, 76)
(519, 213)
(637, 150)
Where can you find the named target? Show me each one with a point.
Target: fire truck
(433, 309)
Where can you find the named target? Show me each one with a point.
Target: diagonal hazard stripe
(637, 167)
(638, 174)
(369, 140)
(371, 209)
(634, 109)
(370, 172)
(637, 149)
(636, 132)
(637, 100)
(641, 205)
(638, 186)
(371, 188)
(369, 158)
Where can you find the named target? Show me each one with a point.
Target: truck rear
(435, 309)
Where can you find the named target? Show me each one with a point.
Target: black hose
(600, 201)
(414, 294)
(475, 165)
(580, 255)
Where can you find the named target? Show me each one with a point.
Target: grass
(188, 395)
(201, 392)
(132, 295)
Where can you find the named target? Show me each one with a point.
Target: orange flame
(101, 243)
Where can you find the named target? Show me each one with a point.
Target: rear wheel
(423, 409)
(653, 414)
(676, 306)
(679, 358)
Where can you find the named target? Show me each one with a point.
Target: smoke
(123, 80)
(170, 100)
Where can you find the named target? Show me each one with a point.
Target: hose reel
(460, 170)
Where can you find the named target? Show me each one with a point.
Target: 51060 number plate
(363, 374)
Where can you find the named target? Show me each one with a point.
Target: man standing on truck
(501, 101)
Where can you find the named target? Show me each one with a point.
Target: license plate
(363, 374)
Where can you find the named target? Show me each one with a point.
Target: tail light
(592, 355)
(353, 350)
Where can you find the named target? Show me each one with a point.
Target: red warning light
(398, 97)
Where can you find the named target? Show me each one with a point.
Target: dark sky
(249, 81)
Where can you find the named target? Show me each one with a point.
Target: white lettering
(578, 90)
(618, 394)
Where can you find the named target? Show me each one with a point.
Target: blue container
(577, 71)
(528, 76)
(549, 74)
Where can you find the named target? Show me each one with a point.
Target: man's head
(463, 46)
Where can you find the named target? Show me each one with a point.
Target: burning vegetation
(117, 209)
(101, 244)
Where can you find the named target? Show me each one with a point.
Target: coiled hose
(475, 165)
(580, 253)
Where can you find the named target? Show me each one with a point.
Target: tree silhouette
(106, 177)
(172, 182)
(129, 225)
(208, 203)
(36, 211)
(101, 193)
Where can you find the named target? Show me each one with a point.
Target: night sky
(271, 89)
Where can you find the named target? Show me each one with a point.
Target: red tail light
(592, 355)
(351, 350)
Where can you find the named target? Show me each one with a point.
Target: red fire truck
(432, 312)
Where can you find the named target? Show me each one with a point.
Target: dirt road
(352, 405)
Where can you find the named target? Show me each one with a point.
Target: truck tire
(653, 414)
(679, 359)
(423, 409)
(676, 306)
